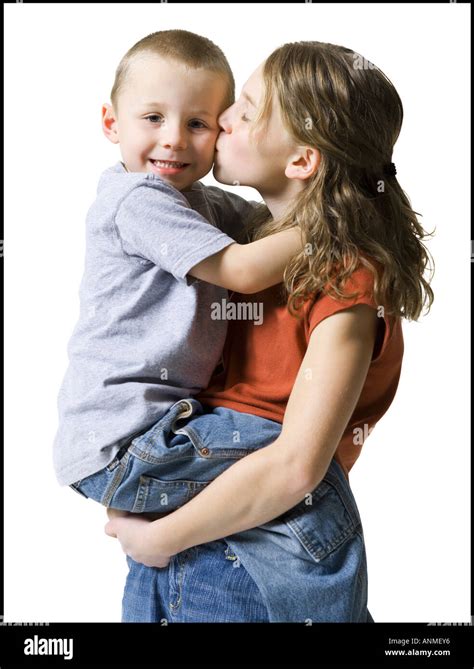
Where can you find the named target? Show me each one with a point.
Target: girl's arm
(266, 483)
(249, 268)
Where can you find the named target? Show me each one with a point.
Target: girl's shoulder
(358, 288)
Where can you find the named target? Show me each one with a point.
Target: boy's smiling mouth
(168, 166)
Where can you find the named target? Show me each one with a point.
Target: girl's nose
(224, 120)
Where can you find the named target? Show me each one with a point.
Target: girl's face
(258, 161)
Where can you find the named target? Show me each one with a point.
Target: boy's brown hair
(193, 50)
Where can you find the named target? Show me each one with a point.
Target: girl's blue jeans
(309, 564)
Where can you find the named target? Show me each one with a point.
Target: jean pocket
(76, 488)
(158, 495)
(324, 520)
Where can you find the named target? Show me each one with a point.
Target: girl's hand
(136, 538)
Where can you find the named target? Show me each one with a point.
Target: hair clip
(390, 169)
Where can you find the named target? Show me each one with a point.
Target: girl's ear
(303, 163)
(109, 123)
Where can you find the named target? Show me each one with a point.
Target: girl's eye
(148, 118)
(244, 117)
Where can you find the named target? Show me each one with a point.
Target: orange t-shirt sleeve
(362, 281)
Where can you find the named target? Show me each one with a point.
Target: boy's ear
(303, 163)
(109, 123)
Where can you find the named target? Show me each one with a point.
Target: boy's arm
(155, 222)
(242, 267)
(249, 268)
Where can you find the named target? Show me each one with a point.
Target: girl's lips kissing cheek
(168, 166)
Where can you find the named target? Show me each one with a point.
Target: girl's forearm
(253, 491)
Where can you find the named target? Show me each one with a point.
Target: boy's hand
(137, 540)
(117, 513)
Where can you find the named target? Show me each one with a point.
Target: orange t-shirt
(261, 362)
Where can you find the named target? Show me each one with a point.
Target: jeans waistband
(180, 409)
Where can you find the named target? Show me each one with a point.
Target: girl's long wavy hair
(349, 213)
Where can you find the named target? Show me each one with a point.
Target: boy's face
(167, 113)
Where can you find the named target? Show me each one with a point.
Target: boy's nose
(173, 137)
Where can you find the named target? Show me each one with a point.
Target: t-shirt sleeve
(232, 212)
(362, 281)
(155, 222)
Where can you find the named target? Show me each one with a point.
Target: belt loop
(188, 407)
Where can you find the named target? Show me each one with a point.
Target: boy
(154, 266)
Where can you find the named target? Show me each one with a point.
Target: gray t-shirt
(145, 337)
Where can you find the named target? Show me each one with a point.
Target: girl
(313, 131)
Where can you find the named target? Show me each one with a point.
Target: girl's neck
(279, 202)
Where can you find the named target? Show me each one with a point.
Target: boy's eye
(148, 118)
(196, 123)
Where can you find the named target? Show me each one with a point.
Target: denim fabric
(307, 564)
(199, 585)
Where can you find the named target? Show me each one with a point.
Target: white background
(412, 480)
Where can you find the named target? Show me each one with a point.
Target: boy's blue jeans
(308, 564)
